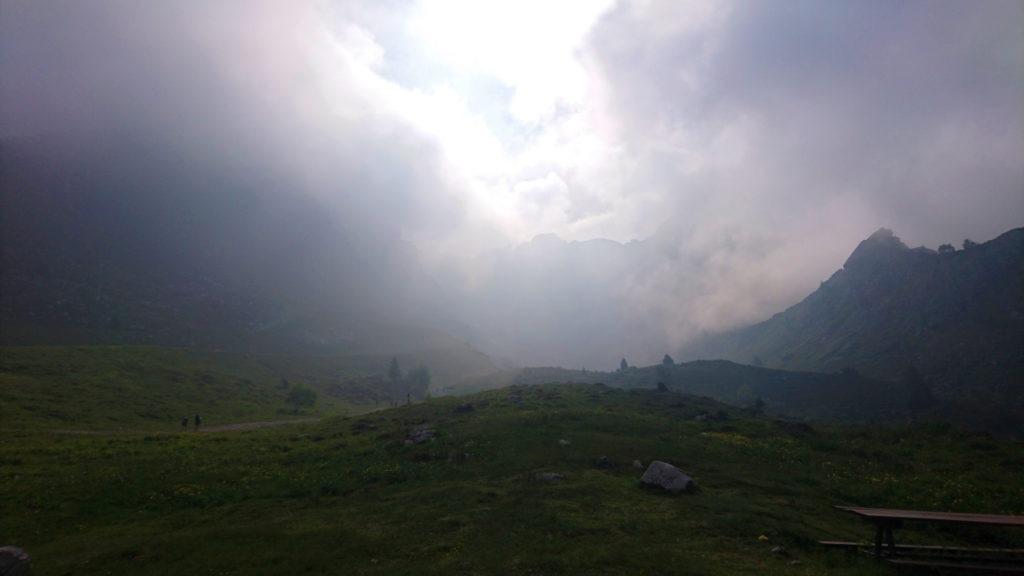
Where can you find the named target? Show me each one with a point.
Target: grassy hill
(348, 496)
(112, 388)
(136, 387)
(845, 396)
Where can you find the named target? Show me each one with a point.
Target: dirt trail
(202, 429)
(255, 425)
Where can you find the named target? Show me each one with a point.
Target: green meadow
(349, 495)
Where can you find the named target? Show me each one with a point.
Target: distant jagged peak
(547, 239)
(881, 246)
(884, 235)
(551, 241)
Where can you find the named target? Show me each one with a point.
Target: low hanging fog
(567, 184)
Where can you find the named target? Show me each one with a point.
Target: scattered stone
(550, 477)
(779, 550)
(463, 408)
(420, 434)
(363, 426)
(794, 562)
(14, 562)
(702, 417)
(667, 477)
(603, 462)
(638, 465)
(563, 442)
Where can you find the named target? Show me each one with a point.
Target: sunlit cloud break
(748, 146)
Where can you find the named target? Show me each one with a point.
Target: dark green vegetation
(112, 387)
(951, 322)
(349, 496)
(846, 396)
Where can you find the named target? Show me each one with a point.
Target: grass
(347, 495)
(118, 388)
(137, 387)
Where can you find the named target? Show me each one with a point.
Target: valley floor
(349, 495)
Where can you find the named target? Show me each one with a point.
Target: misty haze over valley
(474, 253)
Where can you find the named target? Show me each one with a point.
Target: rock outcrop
(667, 477)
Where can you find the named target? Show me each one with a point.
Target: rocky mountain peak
(879, 249)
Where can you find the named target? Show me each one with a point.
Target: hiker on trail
(198, 421)
(184, 423)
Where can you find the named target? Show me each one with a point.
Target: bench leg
(879, 529)
(890, 541)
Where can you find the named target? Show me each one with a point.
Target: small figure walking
(198, 421)
(184, 423)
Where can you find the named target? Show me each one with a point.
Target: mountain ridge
(952, 317)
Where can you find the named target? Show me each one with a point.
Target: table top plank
(928, 516)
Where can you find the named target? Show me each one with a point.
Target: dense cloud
(263, 88)
(751, 146)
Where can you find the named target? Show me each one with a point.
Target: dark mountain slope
(143, 244)
(952, 319)
(846, 396)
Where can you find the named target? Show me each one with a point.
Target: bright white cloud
(527, 56)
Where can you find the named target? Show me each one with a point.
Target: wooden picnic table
(886, 520)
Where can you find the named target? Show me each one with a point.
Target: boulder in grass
(420, 434)
(14, 562)
(667, 477)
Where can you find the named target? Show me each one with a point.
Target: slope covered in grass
(349, 496)
(101, 388)
(846, 396)
(140, 387)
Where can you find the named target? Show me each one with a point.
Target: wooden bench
(994, 560)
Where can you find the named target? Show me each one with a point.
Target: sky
(753, 144)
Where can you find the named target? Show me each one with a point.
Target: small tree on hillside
(968, 244)
(394, 371)
(759, 406)
(946, 249)
(623, 366)
(301, 397)
(418, 380)
(668, 361)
